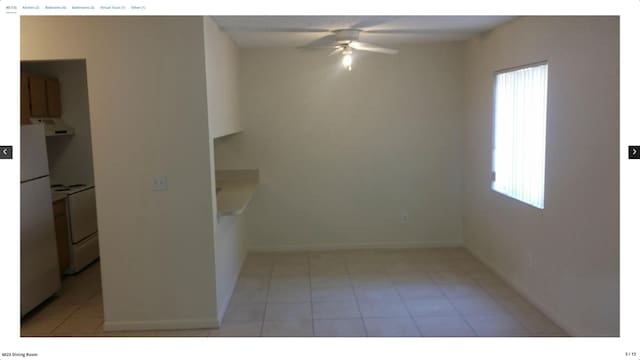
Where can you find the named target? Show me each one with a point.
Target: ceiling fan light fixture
(346, 41)
(347, 59)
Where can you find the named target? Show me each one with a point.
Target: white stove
(82, 222)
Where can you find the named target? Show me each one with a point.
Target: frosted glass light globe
(347, 60)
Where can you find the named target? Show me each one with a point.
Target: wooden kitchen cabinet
(52, 87)
(37, 96)
(24, 99)
(40, 97)
(62, 233)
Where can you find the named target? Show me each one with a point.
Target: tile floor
(411, 292)
(76, 310)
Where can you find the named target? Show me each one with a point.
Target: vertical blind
(520, 118)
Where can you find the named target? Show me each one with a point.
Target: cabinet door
(37, 96)
(53, 97)
(25, 112)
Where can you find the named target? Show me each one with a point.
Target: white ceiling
(294, 31)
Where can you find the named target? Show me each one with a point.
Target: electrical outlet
(159, 183)
(404, 217)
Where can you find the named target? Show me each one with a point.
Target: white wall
(148, 105)
(230, 254)
(221, 58)
(574, 241)
(70, 159)
(341, 153)
(222, 79)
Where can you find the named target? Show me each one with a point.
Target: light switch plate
(159, 183)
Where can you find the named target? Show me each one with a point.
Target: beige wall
(70, 160)
(147, 98)
(564, 258)
(341, 153)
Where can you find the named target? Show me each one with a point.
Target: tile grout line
(266, 300)
(344, 273)
(313, 328)
(71, 314)
(95, 331)
(495, 298)
(355, 296)
(313, 323)
(451, 265)
(470, 273)
(402, 299)
(456, 309)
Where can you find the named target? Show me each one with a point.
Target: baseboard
(175, 324)
(522, 293)
(355, 246)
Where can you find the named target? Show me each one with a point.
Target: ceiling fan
(346, 41)
(342, 34)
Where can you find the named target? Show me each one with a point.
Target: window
(520, 119)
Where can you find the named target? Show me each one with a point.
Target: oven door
(83, 221)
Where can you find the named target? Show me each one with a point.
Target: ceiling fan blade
(241, 29)
(415, 31)
(302, 48)
(324, 42)
(373, 48)
(372, 21)
(338, 50)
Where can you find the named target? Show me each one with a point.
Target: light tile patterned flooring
(408, 292)
(76, 310)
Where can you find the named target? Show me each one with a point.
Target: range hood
(53, 126)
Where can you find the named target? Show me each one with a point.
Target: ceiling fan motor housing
(346, 36)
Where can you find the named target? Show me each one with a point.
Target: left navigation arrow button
(6, 152)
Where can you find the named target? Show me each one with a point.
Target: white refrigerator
(39, 273)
